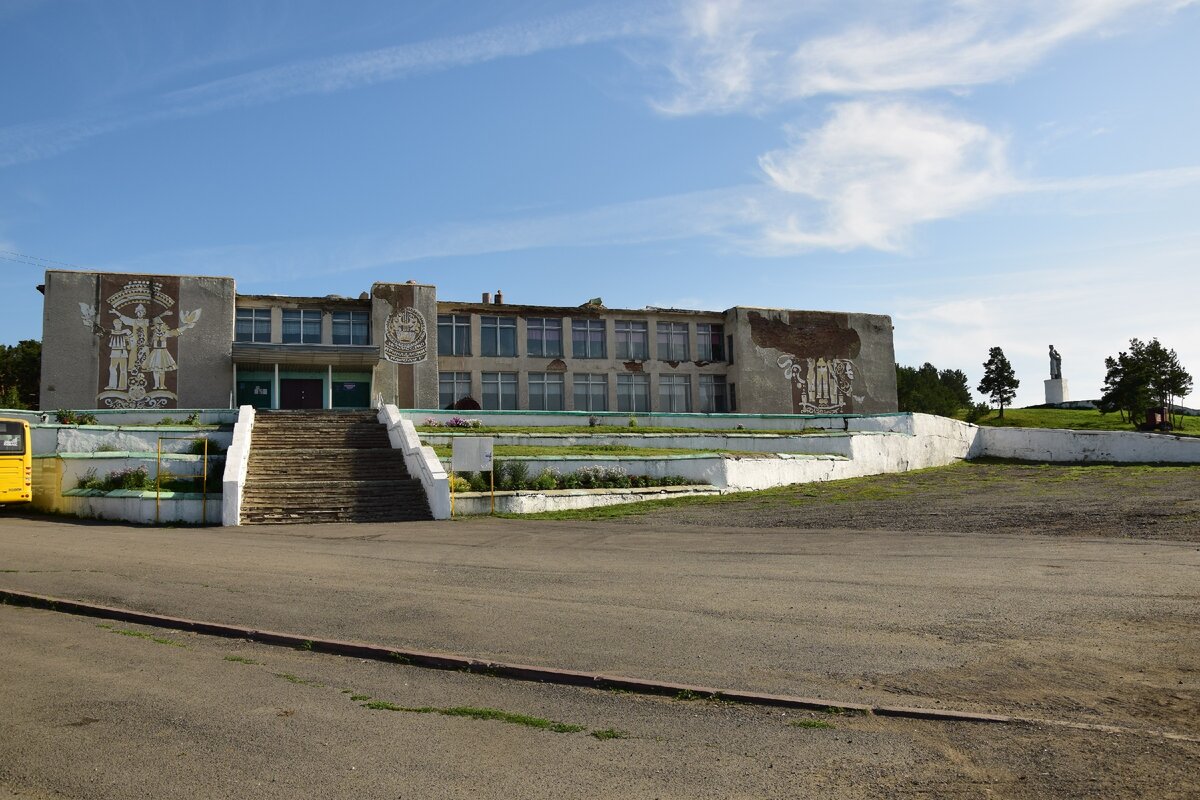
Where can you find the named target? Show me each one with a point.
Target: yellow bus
(16, 463)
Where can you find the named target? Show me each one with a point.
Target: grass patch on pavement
(811, 723)
(296, 679)
(243, 660)
(471, 712)
(604, 734)
(141, 635)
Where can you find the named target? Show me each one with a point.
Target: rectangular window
(672, 341)
(633, 392)
(714, 395)
(710, 342)
(633, 340)
(591, 392)
(546, 391)
(351, 327)
(454, 335)
(498, 336)
(499, 391)
(544, 337)
(301, 325)
(587, 338)
(252, 325)
(452, 387)
(675, 393)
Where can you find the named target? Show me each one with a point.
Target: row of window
(547, 392)
(302, 326)
(544, 337)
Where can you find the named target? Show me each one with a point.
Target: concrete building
(141, 341)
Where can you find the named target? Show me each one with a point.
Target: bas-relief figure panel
(817, 352)
(139, 333)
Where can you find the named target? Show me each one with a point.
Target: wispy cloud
(354, 70)
(29, 142)
(738, 54)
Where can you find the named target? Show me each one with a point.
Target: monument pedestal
(1056, 391)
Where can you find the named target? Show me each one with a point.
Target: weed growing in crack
(242, 660)
(810, 723)
(470, 712)
(605, 734)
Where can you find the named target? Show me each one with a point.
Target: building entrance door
(301, 393)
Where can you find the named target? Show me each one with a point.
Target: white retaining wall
(420, 460)
(724, 422)
(814, 443)
(237, 458)
(476, 503)
(140, 507)
(1119, 447)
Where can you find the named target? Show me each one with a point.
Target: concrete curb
(525, 672)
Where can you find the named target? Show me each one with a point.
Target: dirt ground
(1053, 592)
(1136, 502)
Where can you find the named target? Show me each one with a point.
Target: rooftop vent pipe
(487, 298)
(499, 298)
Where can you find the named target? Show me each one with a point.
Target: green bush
(66, 416)
(977, 411)
(546, 480)
(516, 474)
(480, 482)
(89, 480)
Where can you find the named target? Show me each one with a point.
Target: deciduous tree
(20, 374)
(1146, 374)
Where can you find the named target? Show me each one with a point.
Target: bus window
(12, 439)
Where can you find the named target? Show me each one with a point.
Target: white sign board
(472, 453)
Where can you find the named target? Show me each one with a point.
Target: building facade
(140, 341)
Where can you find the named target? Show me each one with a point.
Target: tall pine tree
(999, 381)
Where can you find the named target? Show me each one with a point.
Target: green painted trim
(141, 455)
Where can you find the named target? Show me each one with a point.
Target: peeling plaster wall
(812, 362)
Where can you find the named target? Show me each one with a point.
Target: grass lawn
(528, 451)
(1079, 420)
(488, 430)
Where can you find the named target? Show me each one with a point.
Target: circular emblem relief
(407, 337)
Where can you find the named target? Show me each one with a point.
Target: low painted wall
(54, 438)
(477, 503)
(78, 465)
(726, 422)
(420, 460)
(814, 443)
(119, 416)
(1083, 447)
(237, 459)
(51, 493)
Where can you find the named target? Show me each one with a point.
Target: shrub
(66, 416)
(593, 421)
(633, 422)
(196, 447)
(516, 474)
(458, 483)
(977, 411)
(480, 482)
(87, 418)
(88, 480)
(474, 423)
(546, 480)
(458, 422)
(192, 418)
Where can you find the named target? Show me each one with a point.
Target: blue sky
(987, 173)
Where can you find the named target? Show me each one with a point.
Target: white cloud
(732, 54)
(877, 170)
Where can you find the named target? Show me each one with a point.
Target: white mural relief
(138, 365)
(820, 385)
(406, 337)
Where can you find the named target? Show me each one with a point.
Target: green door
(352, 394)
(255, 393)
